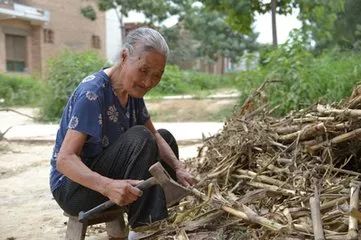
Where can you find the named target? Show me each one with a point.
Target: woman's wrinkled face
(142, 72)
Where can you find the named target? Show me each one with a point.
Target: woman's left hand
(184, 177)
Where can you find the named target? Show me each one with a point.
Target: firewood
(316, 216)
(354, 203)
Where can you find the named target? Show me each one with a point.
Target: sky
(262, 25)
(284, 24)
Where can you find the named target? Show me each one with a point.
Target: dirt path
(191, 110)
(27, 208)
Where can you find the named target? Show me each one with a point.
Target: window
(48, 36)
(95, 41)
(15, 53)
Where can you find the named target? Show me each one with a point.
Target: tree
(318, 16)
(216, 38)
(183, 47)
(274, 27)
(154, 11)
(348, 26)
(200, 32)
(241, 13)
(319, 19)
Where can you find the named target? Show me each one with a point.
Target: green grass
(20, 90)
(179, 82)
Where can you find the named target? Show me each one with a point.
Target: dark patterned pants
(128, 158)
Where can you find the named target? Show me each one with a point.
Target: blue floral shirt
(94, 109)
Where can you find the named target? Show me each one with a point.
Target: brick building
(32, 31)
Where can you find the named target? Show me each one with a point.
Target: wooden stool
(114, 221)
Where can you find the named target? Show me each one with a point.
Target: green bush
(171, 83)
(20, 90)
(177, 81)
(303, 79)
(65, 72)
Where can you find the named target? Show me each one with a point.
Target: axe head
(173, 191)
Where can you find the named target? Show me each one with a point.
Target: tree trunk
(274, 27)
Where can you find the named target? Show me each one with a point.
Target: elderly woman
(107, 142)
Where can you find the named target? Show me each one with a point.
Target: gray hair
(148, 38)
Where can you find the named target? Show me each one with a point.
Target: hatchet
(172, 190)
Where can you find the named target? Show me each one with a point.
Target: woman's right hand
(122, 192)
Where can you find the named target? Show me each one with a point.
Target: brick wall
(36, 49)
(71, 31)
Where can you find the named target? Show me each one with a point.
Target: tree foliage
(318, 19)
(318, 16)
(154, 11)
(200, 32)
(347, 31)
(240, 14)
(216, 38)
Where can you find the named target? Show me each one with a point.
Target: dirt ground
(191, 110)
(27, 209)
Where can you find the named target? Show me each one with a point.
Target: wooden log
(316, 216)
(354, 202)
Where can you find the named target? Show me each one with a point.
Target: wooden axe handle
(83, 216)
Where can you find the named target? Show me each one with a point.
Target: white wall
(113, 36)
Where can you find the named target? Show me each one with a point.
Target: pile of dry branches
(271, 178)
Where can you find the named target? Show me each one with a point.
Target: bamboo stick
(287, 129)
(342, 126)
(354, 202)
(354, 102)
(249, 215)
(275, 189)
(277, 169)
(336, 237)
(316, 216)
(313, 119)
(302, 228)
(356, 214)
(277, 144)
(304, 133)
(349, 172)
(338, 139)
(311, 142)
(286, 161)
(333, 203)
(182, 235)
(248, 103)
(346, 111)
(263, 178)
